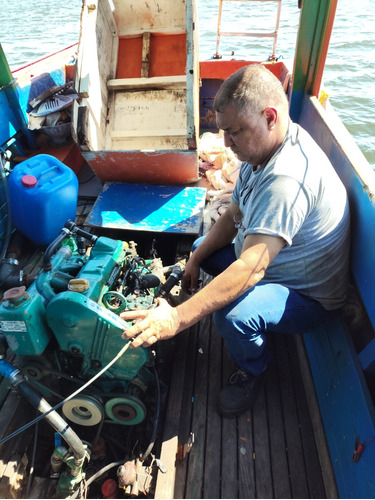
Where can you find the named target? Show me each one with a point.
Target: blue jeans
(264, 308)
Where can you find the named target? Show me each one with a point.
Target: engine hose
(51, 249)
(172, 280)
(98, 474)
(6, 370)
(43, 281)
(54, 419)
(72, 226)
(103, 470)
(10, 273)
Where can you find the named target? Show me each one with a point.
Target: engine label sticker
(13, 326)
(107, 315)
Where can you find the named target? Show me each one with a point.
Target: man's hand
(191, 275)
(152, 325)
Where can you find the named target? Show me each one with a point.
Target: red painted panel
(156, 167)
(219, 69)
(167, 55)
(129, 61)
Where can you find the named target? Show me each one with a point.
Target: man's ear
(271, 116)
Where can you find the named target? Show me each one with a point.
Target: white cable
(56, 407)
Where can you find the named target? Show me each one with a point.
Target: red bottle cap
(29, 181)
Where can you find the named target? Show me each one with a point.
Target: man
(280, 251)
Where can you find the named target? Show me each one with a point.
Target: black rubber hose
(172, 280)
(72, 226)
(51, 249)
(10, 273)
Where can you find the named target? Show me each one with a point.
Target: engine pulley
(127, 410)
(84, 410)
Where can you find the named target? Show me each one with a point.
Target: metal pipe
(18, 381)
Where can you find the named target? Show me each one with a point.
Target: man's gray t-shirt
(299, 197)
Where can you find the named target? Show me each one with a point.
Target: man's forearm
(222, 290)
(258, 252)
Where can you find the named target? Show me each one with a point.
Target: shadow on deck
(269, 452)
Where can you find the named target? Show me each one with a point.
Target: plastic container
(43, 196)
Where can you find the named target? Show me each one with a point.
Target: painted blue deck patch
(145, 207)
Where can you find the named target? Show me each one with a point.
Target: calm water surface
(34, 28)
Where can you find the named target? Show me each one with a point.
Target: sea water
(34, 28)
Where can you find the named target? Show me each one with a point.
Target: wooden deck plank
(212, 460)
(194, 487)
(278, 450)
(229, 464)
(185, 430)
(269, 452)
(297, 470)
(313, 471)
(246, 475)
(166, 480)
(262, 459)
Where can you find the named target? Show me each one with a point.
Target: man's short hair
(252, 88)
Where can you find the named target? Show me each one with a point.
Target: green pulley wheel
(128, 410)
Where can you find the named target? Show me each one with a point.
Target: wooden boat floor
(269, 452)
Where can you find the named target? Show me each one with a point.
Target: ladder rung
(263, 34)
(245, 33)
(251, 0)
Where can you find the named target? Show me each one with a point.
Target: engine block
(67, 324)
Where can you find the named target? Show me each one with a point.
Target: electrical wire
(156, 422)
(74, 394)
(32, 466)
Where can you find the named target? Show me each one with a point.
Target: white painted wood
(192, 73)
(120, 134)
(133, 16)
(95, 54)
(154, 113)
(150, 110)
(164, 143)
(155, 82)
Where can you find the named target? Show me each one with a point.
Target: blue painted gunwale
(346, 406)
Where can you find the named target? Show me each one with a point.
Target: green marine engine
(66, 325)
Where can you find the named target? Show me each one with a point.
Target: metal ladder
(273, 34)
